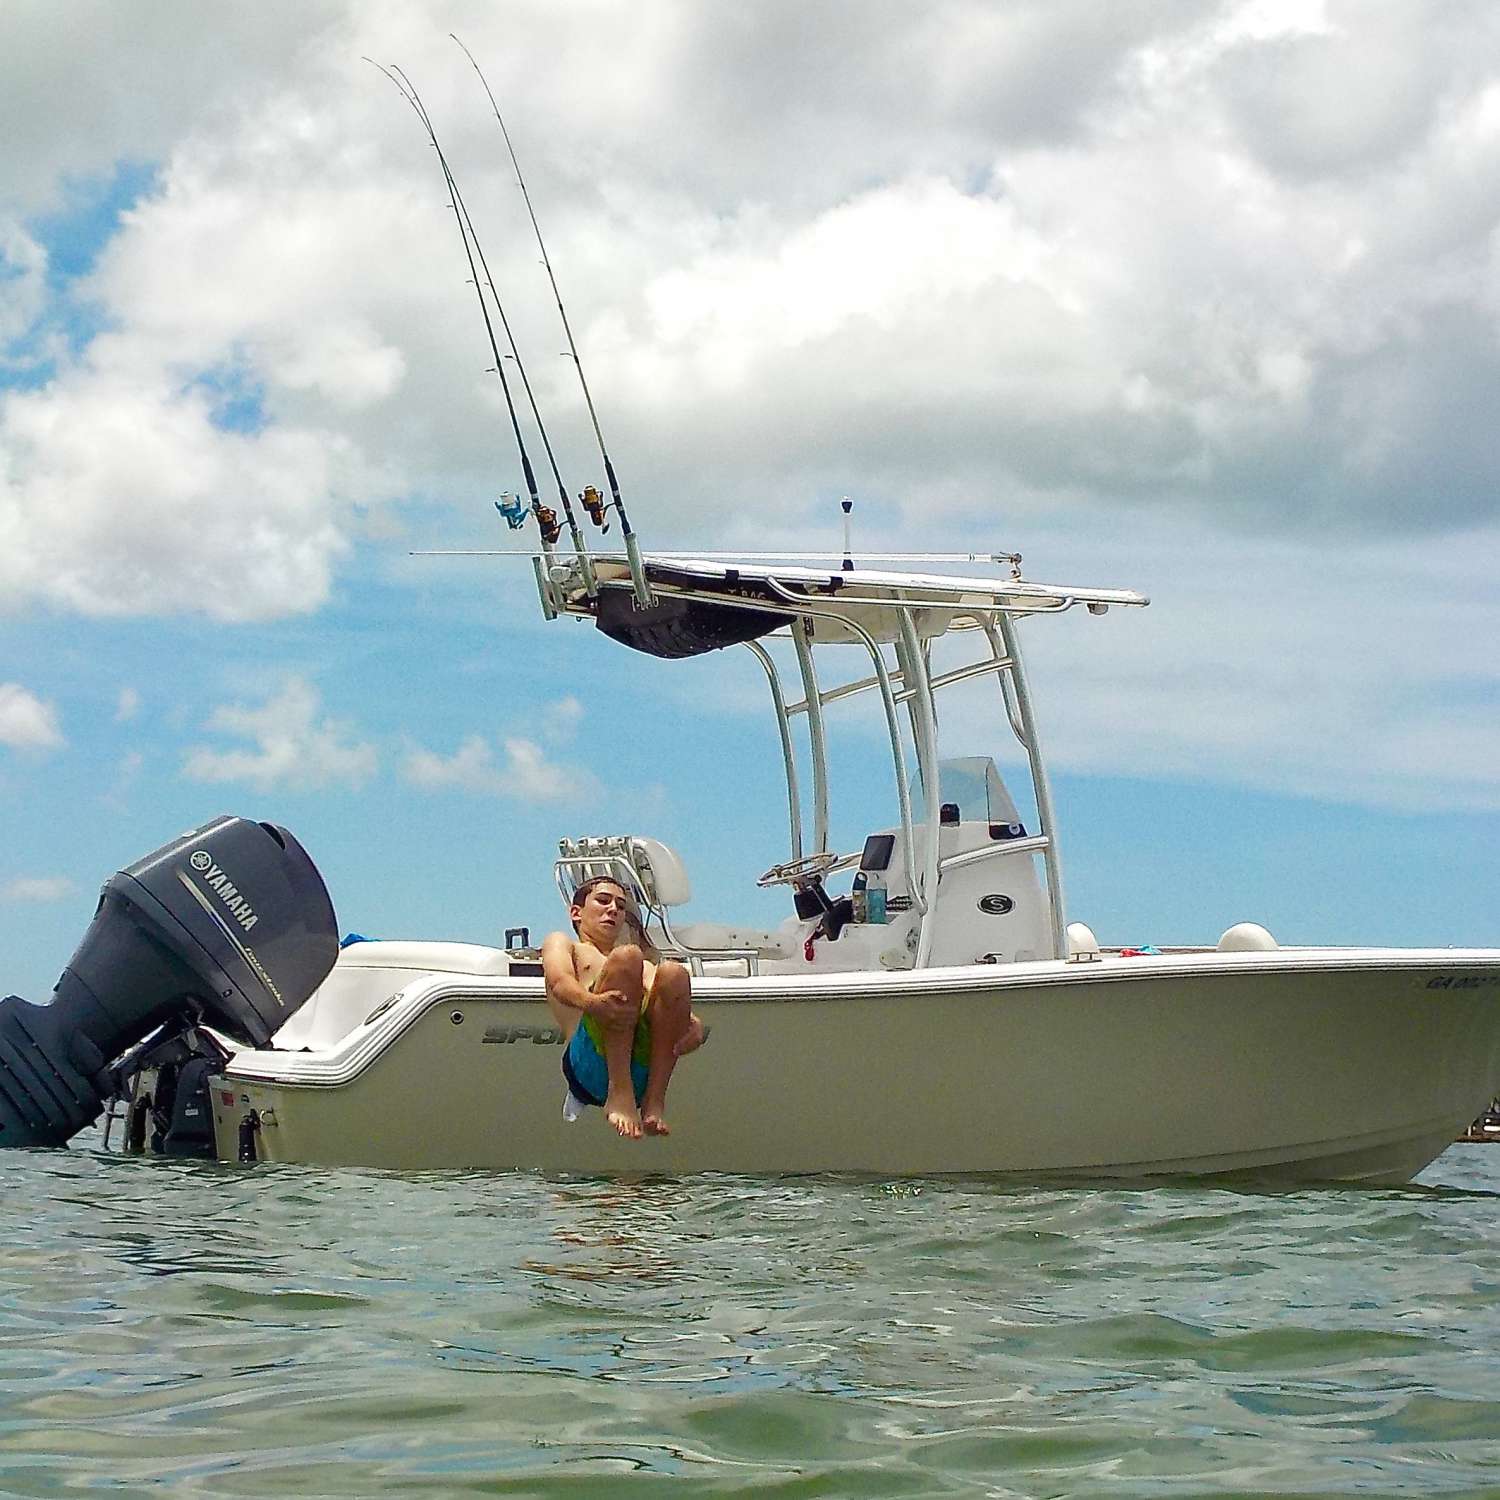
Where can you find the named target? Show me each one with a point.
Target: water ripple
(204, 1330)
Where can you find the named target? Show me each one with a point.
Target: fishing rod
(580, 546)
(546, 518)
(632, 546)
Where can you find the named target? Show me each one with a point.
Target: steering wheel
(802, 871)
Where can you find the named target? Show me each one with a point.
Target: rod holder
(643, 595)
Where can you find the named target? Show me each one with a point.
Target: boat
(925, 1007)
(1484, 1128)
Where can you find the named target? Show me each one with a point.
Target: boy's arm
(563, 985)
(565, 989)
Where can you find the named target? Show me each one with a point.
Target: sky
(1196, 297)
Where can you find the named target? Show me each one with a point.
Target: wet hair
(636, 932)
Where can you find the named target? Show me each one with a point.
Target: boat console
(989, 905)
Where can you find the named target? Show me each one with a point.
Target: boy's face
(597, 917)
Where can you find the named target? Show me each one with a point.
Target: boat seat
(653, 873)
(706, 936)
(655, 877)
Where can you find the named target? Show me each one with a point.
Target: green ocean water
(196, 1329)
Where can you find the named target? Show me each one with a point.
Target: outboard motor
(229, 924)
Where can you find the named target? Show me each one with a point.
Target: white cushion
(668, 874)
(444, 958)
(723, 935)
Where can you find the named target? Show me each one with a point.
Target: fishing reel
(512, 511)
(596, 506)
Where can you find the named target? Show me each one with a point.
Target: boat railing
(616, 859)
(920, 896)
(907, 682)
(1036, 844)
(902, 694)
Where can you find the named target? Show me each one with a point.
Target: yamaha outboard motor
(229, 924)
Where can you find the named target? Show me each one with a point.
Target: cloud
(536, 779)
(560, 720)
(526, 775)
(1367, 676)
(1121, 269)
(187, 457)
(37, 889)
(26, 722)
(127, 773)
(121, 496)
(1136, 255)
(1287, 94)
(23, 281)
(296, 746)
(1084, 327)
(128, 705)
(150, 80)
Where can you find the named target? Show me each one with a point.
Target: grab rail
(1033, 845)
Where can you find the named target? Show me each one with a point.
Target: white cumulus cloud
(1134, 254)
(1033, 264)
(295, 745)
(26, 722)
(120, 495)
(523, 772)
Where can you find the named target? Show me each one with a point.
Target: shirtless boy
(626, 1020)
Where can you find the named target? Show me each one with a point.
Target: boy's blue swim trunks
(587, 1072)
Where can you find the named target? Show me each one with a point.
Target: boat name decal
(540, 1036)
(217, 881)
(1463, 981)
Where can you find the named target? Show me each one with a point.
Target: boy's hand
(612, 1009)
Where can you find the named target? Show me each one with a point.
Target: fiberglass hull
(1295, 1065)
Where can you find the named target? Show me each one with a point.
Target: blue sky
(1209, 329)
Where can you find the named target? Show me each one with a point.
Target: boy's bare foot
(624, 1117)
(651, 1120)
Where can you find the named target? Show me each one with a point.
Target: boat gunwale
(372, 1038)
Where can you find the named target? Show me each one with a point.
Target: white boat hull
(1289, 1065)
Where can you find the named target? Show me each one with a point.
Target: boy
(626, 1020)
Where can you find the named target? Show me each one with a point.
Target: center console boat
(925, 1006)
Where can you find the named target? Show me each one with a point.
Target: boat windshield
(973, 784)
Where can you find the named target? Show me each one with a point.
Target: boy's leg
(622, 971)
(671, 1010)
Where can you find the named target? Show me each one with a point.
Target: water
(205, 1330)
